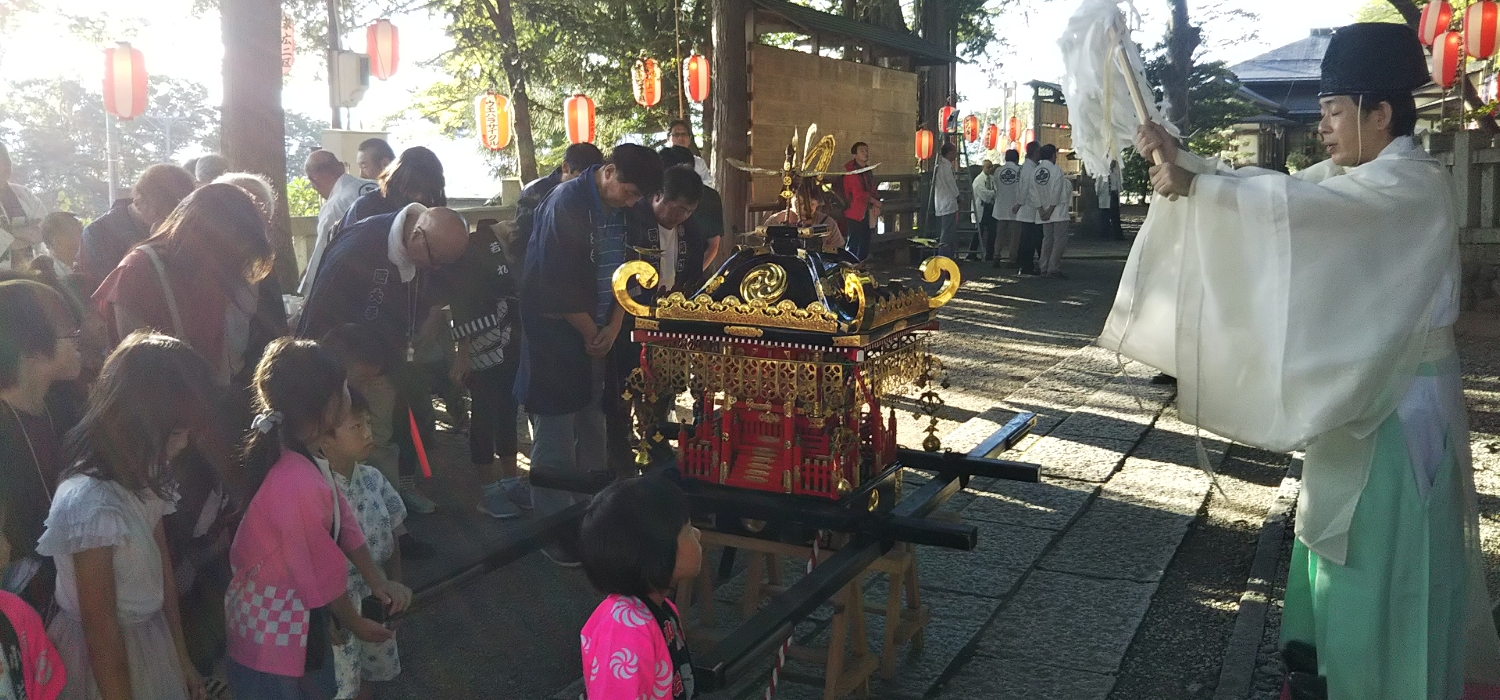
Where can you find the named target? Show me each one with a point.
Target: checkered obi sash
(266, 615)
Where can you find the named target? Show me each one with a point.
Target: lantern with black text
(492, 120)
(1479, 28)
(1447, 53)
(1013, 133)
(945, 119)
(383, 44)
(971, 128)
(924, 144)
(288, 44)
(646, 77)
(991, 137)
(124, 81)
(578, 111)
(697, 78)
(1436, 16)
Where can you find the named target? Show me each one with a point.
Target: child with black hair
(290, 576)
(637, 542)
(381, 514)
(119, 631)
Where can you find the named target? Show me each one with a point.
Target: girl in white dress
(118, 632)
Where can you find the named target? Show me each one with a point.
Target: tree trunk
(731, 98)
(253, 126)
(935, 83)
(500, 14)
(1182, 40)
(1413, 16)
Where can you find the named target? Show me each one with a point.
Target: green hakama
(1390, 624)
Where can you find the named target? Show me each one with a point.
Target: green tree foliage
(55, 132)
(1214, 104)
(566, 47)
(588, 46)
(301, 198)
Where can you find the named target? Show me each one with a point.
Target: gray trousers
(948, 235)
(1055, 237)
(1008, 242)
(570, 443)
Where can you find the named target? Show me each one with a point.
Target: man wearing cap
(1314, 312)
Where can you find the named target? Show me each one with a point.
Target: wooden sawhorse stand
(847, 661)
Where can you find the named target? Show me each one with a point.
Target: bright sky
(177, 43)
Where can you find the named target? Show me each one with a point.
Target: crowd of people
(196, 484)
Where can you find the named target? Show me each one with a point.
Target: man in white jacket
(1031, 229)
(984, 204)
(945, 200)
(1008, 193)
(338, 189)
(1050, 192)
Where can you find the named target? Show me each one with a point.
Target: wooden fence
(1473, 159)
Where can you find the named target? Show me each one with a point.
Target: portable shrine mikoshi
(786, 352)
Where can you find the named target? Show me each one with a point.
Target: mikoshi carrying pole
(1105, 84)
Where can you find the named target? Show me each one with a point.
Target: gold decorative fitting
(932, 269)
(874, 500)
(744, 331)
(712, 284)
(785, 314)
(909, 302)
(646, 324)
(850, 341)
(620, 283)
(844, 487)
(765, 282)
(786, 481)
(854, 290)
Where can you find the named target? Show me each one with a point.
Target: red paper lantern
(288, 44)
(1013, 134)
(924, 144)
(646, 76)
(1029, 136)
(1479, 28)
(1447, 53)
(1436, 16)
(697, 78)
(971, 128)
(578, 111)
(493, 119)
(945, 117)
(124, 81)
(991, 137)
(383, 43)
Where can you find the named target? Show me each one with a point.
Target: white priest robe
(1294, 312)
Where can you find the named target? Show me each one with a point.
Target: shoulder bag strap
(166, 288)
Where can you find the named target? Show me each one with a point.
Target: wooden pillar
(732, 22)
(253, 125)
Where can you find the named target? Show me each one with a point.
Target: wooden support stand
(847, 660)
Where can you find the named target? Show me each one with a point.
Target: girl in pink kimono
(637, 542)
(286, 602)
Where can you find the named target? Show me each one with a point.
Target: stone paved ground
(1116, 577)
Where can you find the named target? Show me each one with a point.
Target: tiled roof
(1297, 61)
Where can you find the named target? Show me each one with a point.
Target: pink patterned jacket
(286, 564)
(625, 656)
